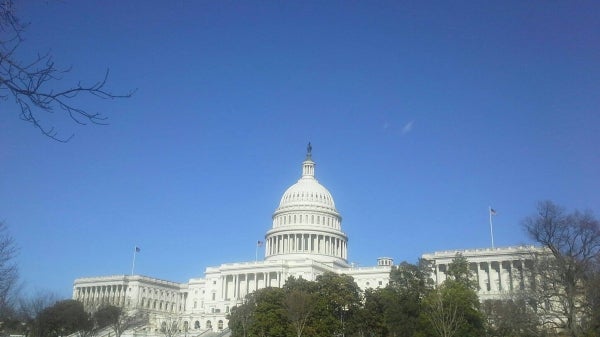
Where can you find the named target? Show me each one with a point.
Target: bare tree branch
(9, 273)
(31, 84)
(562, 277)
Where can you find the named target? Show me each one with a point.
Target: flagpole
(491, 227)
(258, 244)
(135, 249)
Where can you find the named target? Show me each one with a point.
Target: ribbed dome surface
(307, 192)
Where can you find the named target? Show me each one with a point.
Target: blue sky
(421, 115)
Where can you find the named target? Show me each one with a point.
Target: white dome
(306, 225)
(307, 192)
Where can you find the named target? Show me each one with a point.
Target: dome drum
(329, 246)
(318, 219)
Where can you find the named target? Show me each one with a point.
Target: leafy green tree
(411, 278)
(338, 301)
(241, 317)
(62, 319)
(409, 283)
(370, 317)
(269, 317)
(293, 283)
(460, 272)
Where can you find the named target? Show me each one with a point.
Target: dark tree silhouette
(9, 274)
(564, 275)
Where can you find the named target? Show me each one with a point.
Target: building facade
(498, 272)
(306, 240)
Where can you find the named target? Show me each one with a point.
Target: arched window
(208, 325)
(197, 325)
(220, 325)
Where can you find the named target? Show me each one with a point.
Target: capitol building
(306, 240)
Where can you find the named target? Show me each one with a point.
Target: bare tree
(511, 316)
(31, 83)
(299, 306)
(9, 274)
(119, 319)
(171, 325)
(30, 307)
(444, 316)
(561, 277)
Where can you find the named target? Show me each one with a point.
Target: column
(223, 286)
(247, 284)
(481, 278)
(279, 244)
(494, 279)
(441, 274)
(235, 286)
(267, 247)
(505, 275)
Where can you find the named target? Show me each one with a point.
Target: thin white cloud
(407, 127)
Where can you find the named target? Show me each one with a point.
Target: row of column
(239, 285)
(493, 276)
(113, 294)
(307, 243)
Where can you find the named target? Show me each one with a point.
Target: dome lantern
(308, 166)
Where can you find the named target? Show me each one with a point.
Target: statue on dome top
(308, 150)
